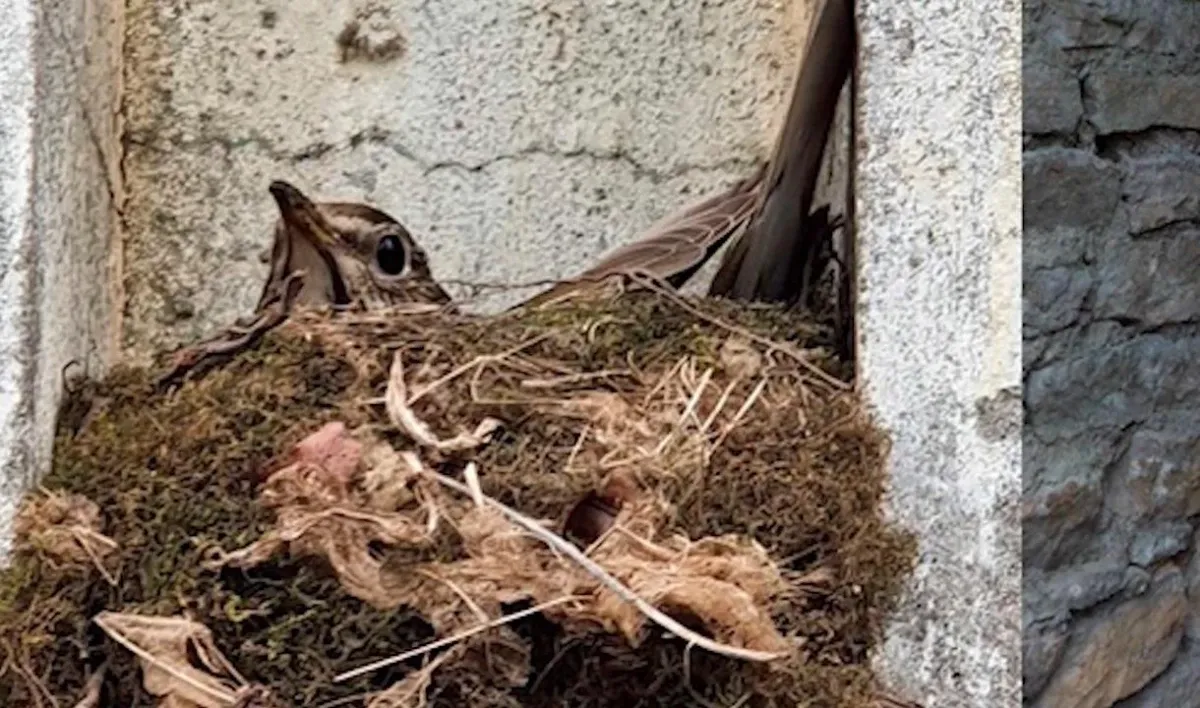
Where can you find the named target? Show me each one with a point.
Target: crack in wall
(378, 136)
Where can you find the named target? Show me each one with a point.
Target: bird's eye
(390, 255)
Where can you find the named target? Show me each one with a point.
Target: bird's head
(350, 254)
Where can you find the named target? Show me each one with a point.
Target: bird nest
(643, 501)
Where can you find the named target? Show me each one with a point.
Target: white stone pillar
(937, 197)
(59, 191)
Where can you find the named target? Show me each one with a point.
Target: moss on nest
(177, 476)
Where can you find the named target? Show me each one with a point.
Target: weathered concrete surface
(517, 141)
(59, 69)
(1112, 353)
(937, 199)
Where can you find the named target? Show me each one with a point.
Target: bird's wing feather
(769, 259)
(676, 246)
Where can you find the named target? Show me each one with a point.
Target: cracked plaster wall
(517, 140)
(59, 93)
(1112, 354)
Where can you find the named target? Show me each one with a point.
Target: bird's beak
(304, 221)
(302, 217)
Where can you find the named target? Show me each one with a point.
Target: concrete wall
(937, 198)
(1112, 352)
(59, 195)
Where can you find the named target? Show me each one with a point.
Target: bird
(345, 254)
(340, 255)
(774, 258)
(777, 244)
(351, 254)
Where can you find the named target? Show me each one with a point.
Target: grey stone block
(1175, 687)
(1114, 655)
(1128, 100)
(1041, 650)
(1109, 389)
(1163, 191)
(1071, 24)
(1149, 281)
(1156, 479)
(1159, 542)
(1066, 188)
(1052, 96)
(1054, 298)
(1059, 516)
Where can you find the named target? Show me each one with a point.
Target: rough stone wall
(59, 200)
(1112, 353)
(516, 140)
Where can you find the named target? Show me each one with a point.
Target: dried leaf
(65, 529)
(320, 511)
(181, 666)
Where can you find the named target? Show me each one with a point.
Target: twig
(645, 544)
(498, 286)
(577, 446)
(568, 549)
(688, 410)
(38, 685)
(720, 406)
(454, 588)
(82, 536)
(417, 688)
(741, 412)
(574, 378)
(426, 499)
(404, 417)
(91, 689)
(477, 361)
(471, 475)
(452, 639)
(662, 381)
(784, 347)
